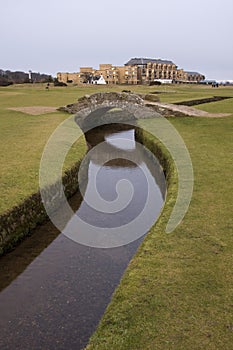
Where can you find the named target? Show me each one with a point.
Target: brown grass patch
(34, 110)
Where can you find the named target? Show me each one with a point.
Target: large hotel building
(135, 71)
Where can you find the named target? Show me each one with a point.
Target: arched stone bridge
(95, 108)
(134, 107)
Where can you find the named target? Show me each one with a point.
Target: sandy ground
(10, 93)
(189, 111)
(34, 110)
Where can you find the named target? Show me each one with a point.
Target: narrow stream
(54, 290)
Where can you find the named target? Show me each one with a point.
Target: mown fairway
(177, 293)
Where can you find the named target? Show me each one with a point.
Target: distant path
(185, 110)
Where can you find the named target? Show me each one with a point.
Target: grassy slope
(177, 291)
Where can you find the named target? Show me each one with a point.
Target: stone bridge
(97, 109)
(93, 110)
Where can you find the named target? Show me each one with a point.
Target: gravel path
(188, 111)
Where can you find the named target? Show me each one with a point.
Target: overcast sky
(49, 36)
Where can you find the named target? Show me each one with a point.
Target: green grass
(225, 106)
(23, 137)
(177, 292)
(176, 93)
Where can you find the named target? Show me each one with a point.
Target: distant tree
(58, 83)
(50, 79)
(4, 81)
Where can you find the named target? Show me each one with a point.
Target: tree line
(8, 77)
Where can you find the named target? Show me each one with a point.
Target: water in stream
(54, 290)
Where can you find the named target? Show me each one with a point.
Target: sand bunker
(34, 110)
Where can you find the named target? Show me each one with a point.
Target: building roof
(193, 73)
(140, 60)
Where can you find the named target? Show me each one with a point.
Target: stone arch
(93, 108)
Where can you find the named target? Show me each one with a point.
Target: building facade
(135, 71)
(194, 77)
(149, 69)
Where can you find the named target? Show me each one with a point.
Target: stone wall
(108, 98)
(18, 222)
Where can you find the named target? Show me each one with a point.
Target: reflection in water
(119, 157)
(57, 301)
(124, 141)
(119, 200)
